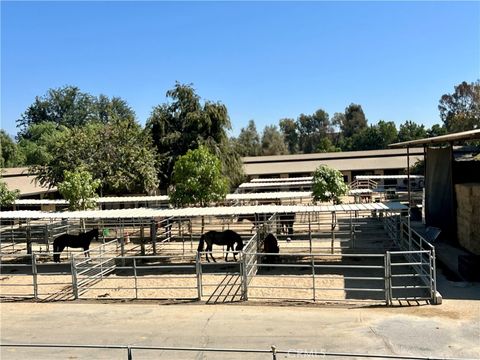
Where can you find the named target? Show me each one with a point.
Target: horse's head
(239, 246)
(95, 233)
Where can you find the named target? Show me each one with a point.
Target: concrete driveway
(448, 330)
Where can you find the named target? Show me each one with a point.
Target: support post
(74, 277)
(135, 277)
(198, 266)
(313, 278)
(388, 279)
(34, 274)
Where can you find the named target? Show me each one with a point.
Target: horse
(270, 246)
(81, 240)
(227, 237)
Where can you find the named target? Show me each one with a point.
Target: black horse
(81, 240)
(270, 246)
(227, 237)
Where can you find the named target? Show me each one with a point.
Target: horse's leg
(207, 249)
(229, 247)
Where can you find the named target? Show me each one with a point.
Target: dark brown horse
(270, 246)
(227, 237)
(81, 240)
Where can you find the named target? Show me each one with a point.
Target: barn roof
(147, 213)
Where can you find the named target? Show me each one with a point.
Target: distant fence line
(273, 351)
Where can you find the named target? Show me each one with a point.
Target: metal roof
(344, 164)
(464, 135)
(265, 180)
(195, 212)
(386, 177)
(129, 199)
(274, 184)
(328, 156)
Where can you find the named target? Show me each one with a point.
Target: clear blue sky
(263, 60)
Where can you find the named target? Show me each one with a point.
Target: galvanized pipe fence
(272, 352)
(406, 274)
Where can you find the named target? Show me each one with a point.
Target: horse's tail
(200, 244)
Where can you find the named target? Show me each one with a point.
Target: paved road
(449, 330)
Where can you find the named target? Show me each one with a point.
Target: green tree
(460, 111)
(272, 142)
(325, 145)
(248, 141)
(11, 154)
(7, 197)
(118, 153)
(312, 128)
(184, 124)
(79, 189)
(70, 107)
(354, 120)
(328, 185)
(36, 147)
(411, 131)
(197, 179)
(288, 127)
(436, 130)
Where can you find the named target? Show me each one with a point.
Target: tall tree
(68, 106)
(35, 147)
(272, 142)
(11, 154)
(354, 120)
(436, 130)
(460, 111)
(184, 124)
(119, 154)
(411, 131)
(248, 141)
(288, 127)
(312, 128)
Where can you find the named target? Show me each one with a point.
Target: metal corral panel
(194, 212)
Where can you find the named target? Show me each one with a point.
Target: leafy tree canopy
(353, 121)
(11, 154)
(198, 179)
(184, 124)
(411, 131)
(118, 153)
(70, 107)
(272, 142)
(460, 111)
(7, 197)
(289, 130)
(328, 185)
(79, 189)
(248, 142)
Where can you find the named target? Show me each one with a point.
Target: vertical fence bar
(74, 277)
(310, 232)
(245, 275)
(313, 277)
(34, 274)
(135, 277)
(198, 267)
(433, 270)
(388, 298)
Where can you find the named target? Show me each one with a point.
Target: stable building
(349, 163)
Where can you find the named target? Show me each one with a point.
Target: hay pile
(468, 216)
